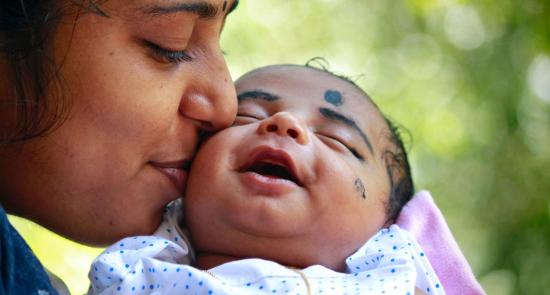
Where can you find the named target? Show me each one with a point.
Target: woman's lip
(180, 164)
(175, 171)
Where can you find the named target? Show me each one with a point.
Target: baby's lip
(264, 156)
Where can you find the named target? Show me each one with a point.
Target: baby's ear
(389, 220)
(401, 185)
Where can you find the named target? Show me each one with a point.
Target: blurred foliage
(470, 80)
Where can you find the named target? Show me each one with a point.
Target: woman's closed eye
(338, 143)
(168, 56)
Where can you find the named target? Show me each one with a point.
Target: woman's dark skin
(143, 79)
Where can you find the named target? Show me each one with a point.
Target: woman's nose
(284, 124)
(210, 96)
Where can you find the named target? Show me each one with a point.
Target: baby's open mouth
(273, 164)
(274, 170)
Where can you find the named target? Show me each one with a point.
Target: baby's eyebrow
(334, 115)
(257, 94)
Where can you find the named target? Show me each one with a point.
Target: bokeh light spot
(464, 28)
(539, 77)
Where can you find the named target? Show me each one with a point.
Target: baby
(297, 197)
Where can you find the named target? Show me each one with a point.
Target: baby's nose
(284, 124)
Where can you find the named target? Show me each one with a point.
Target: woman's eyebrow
(334, 115)
(257, 94)
(201, 8)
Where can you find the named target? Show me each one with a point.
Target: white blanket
(391, 262)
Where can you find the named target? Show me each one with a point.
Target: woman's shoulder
(20, 270)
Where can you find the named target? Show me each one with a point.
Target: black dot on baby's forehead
(334, 97)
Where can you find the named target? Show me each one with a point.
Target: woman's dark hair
(397, 162)
(26, 27)
(26, 31)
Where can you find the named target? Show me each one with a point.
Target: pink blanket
(424, 220)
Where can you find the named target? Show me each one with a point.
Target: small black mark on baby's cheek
(360, 188)
(224, 5)
(334, 97)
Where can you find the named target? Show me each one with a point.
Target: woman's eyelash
(169, 56)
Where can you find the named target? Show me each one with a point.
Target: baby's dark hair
(397, 162)
(399, 173)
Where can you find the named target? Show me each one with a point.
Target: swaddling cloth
(391, 262)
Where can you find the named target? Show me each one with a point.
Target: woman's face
(142, 83)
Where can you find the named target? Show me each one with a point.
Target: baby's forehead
(316, 77)
(304, 90)
(311, 83)
(304, 83)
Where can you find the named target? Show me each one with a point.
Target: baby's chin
(291, 252)
(207, 260)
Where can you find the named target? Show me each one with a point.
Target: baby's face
(299, 178)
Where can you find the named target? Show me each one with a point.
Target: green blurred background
(470, 80)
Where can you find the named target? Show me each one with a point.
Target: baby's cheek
(376, 178)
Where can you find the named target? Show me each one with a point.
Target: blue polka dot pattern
(391, 262)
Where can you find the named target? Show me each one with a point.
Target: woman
(102, 106)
